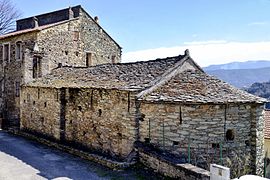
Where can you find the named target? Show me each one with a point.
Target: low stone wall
(159, 163)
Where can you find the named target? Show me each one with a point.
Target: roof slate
(198, 87)
(150, 78)
(125, 76)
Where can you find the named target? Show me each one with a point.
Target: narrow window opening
(28, 97)
(113, 59)
(99, 112)
(230, 135)
(45, 104)
(38, 93)
(80, 108)
(66, 52)
(36, 67)
(17, 89)
(42, 120)
(175, 143)
(18, 50)
(76, 35)
(6, 52)
(34, 102)
(89, 59)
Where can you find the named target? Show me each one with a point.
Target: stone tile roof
(156, 80)
(37, 29)
(198, 87)
(267, 124)
(125, 76)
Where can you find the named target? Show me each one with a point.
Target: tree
(8, 16)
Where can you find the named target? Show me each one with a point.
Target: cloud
(261, 23)
(206, 53)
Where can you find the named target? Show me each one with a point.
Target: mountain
(260, 89)
(239, 65)
(241, 74)
(242, 77)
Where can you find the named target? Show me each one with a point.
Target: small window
(76, 35)
(28, 97)
(6, 52)
(230, 135)
(99, 112)
(36, 67)
(18, 51)
(113, 59)
(17, 89)
(89, 59)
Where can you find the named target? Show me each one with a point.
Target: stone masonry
(68, 37)
(165, 102)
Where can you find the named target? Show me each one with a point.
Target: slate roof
(156, 80)
(267, 124)
(195, 86)
(126, 76)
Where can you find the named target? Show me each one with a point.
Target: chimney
(70, 13)
(96, 19)
(35, 22)
(186, 52)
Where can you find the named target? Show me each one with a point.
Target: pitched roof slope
(125, 76)
(267, 124)
(156, 80)
(197, 87)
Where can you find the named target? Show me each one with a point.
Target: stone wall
(257, 139)
(12, 72)
(97, 119)
(101, 119)
(65, 44)
(171, 126)
(40, 111)
(97, 42)
(59, 45)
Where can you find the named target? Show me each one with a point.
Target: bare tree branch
(8, 16)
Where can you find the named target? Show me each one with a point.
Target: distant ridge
(240, 65)
(242, 77)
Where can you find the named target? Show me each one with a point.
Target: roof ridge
(167, 75)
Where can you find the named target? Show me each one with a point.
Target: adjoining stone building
(68, 37)
(107, 108)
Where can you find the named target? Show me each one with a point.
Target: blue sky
(237, 29)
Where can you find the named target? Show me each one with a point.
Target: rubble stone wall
(170, 126)
(101, 120)
(11, 72)
(97, 42)
(40, 111)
